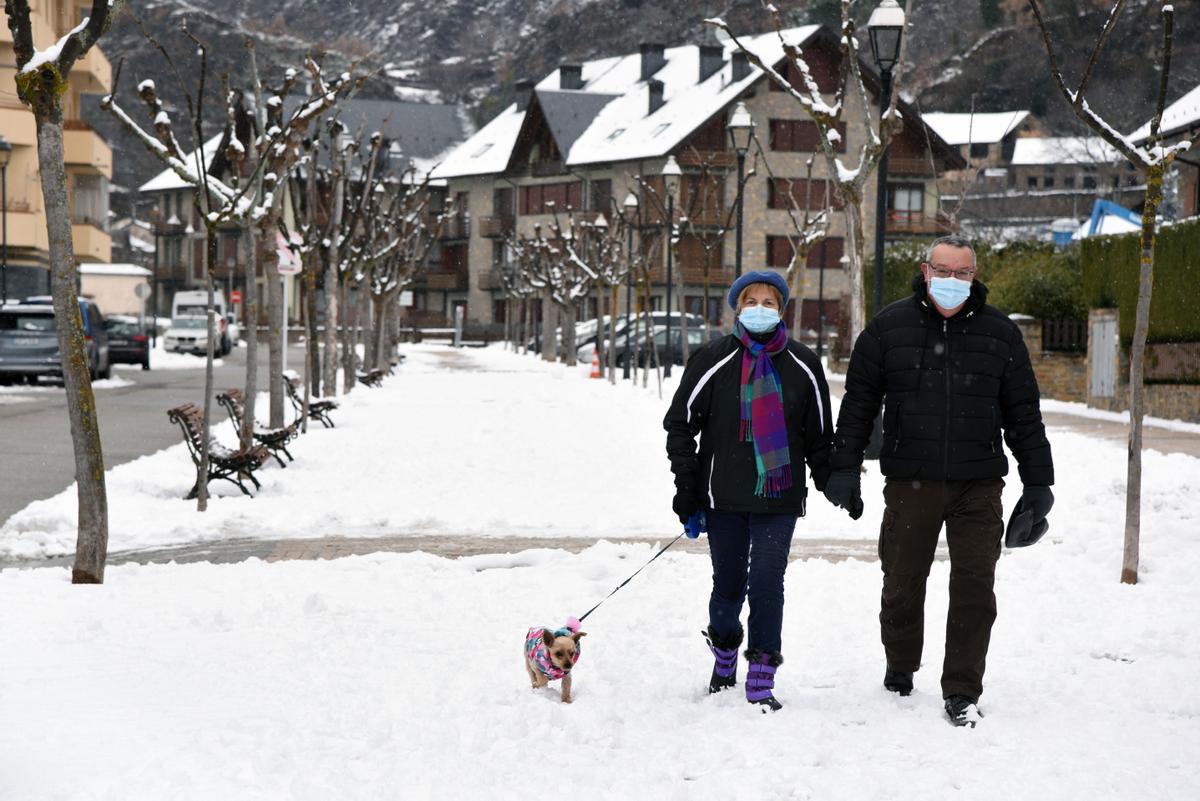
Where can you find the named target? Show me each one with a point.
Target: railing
(445, 280)
(906, 222)
(494, 226)
(712, 158)
(490, 280)
(457, 226)
(904, 166)
(1066, 336)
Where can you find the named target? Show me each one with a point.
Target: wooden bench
(318, 408)
(273, 439)
(372, 378)
(223, 462)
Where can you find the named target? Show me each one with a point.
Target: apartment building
(88, 156)
(583, 136)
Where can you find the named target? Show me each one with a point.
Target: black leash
(626, 581)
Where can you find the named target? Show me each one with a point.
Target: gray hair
(954, 241)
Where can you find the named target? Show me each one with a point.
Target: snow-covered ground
(399, 675)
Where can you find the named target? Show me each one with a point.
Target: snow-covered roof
(621, 129)
(1037, 150)
(1184, 113)
(168, 180)
(98, 268)
(1106, 224)
(987, 128)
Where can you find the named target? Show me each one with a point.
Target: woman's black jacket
(707, 403)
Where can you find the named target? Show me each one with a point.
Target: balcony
(91, 243)
(902, 166)
(18, 125)
(495, 226)
(489, 280)
(92, 74)
(445, 280)
(83, 147)
(726, 159)
(26, 229)
(911, 223)
(456, 227)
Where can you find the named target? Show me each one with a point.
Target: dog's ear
(548, 637)
(577, 635)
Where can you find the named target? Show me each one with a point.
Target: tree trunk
(366, 324)
(549, 318)
(330, 343)
(611, 351)
(854, 250)
(250, 391)
(378, 345)
(269, 248)
(91, 544)
(1141, 329)
(348, 354)
(568, 335)
(311, 350)
(210, 258)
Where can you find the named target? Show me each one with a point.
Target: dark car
(29, 340)
(127, 341)
(696, 339)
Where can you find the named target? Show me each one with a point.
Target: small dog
(550, 654)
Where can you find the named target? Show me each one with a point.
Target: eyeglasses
(965, 274)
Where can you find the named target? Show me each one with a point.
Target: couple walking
(952, 377)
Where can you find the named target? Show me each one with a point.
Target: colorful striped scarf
(762, 411)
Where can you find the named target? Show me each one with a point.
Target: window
(602, 195)
(615, 134)
(1048, 181)
(659, 129)
(979, 150)
(823, 65)
(502, 201)
(695, 305)
(89, 199)
(780, 251)
(1069, 182)
(499, 310)
(800, 193)
(500, 255)
(1031, 182)
(906, 201)
(827, 253)
(802, 136)
(481, 150)
(1089, 182)
(547, 198)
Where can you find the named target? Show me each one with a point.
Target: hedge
(1111, 272)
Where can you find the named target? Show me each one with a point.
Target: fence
(1064, 336)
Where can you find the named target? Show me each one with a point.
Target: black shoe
(769, 704)
(898, 681)
(962, 711)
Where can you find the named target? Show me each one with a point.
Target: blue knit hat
(758, 277)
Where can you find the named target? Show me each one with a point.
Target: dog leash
(694, 527)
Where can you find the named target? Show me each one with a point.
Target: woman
(760, 404)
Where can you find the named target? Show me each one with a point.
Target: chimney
(656, 95)
(653, 59)
(570, 76)
(524, 93)
(741, 65)
(712, 57)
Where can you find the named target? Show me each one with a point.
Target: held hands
(688, 500)
(844, 489)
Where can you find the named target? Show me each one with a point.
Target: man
(951, 372)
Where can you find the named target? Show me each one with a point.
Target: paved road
(37, 460)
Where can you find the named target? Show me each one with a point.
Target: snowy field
(400, 675)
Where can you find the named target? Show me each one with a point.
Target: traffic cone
(596, 365)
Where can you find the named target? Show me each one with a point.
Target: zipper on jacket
(712, 464)
(946, 433)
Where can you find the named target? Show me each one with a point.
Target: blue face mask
(758, 319)
(949, 292)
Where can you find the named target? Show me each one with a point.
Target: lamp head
(886, 27)
(5, 151)
(671, 175)
(741, 128)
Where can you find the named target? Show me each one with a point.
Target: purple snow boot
(725, 652)
(760, 679)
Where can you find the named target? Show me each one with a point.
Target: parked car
(128, 342)
(29, 340)
(658, 319)
(193, 303)
(695, 340)
(190, 335)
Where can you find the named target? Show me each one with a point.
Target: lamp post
(5, 152)
(886, 29)
(741, 130)
(631, 210)
(671, 176)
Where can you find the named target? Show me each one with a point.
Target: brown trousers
(912, 522)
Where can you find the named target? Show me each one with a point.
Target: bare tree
(41, 83)
(849, 183)
(1152, 160)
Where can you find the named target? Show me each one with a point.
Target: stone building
(582, 136)
(88, 157)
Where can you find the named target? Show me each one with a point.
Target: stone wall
(1062, 376)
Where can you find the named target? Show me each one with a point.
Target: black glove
(689, 499)
(1028, 523)
(844, 489)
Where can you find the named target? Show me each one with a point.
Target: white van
(189, 312)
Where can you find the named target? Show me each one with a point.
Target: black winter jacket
(948, 387)
(707, 403)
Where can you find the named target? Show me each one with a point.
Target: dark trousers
(912, 521)
(749, 557)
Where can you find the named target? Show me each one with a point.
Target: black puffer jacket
(948, 387)
(707, 403)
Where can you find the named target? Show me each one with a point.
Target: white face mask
(949, 292)
(758, 319)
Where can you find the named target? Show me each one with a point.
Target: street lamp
(5, 152)
(671, 176)
(631, 210)
(601, 226)
(741, 130)
(886, 29)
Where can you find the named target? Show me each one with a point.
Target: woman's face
(759, 295)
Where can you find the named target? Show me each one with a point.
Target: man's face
(949, 262)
